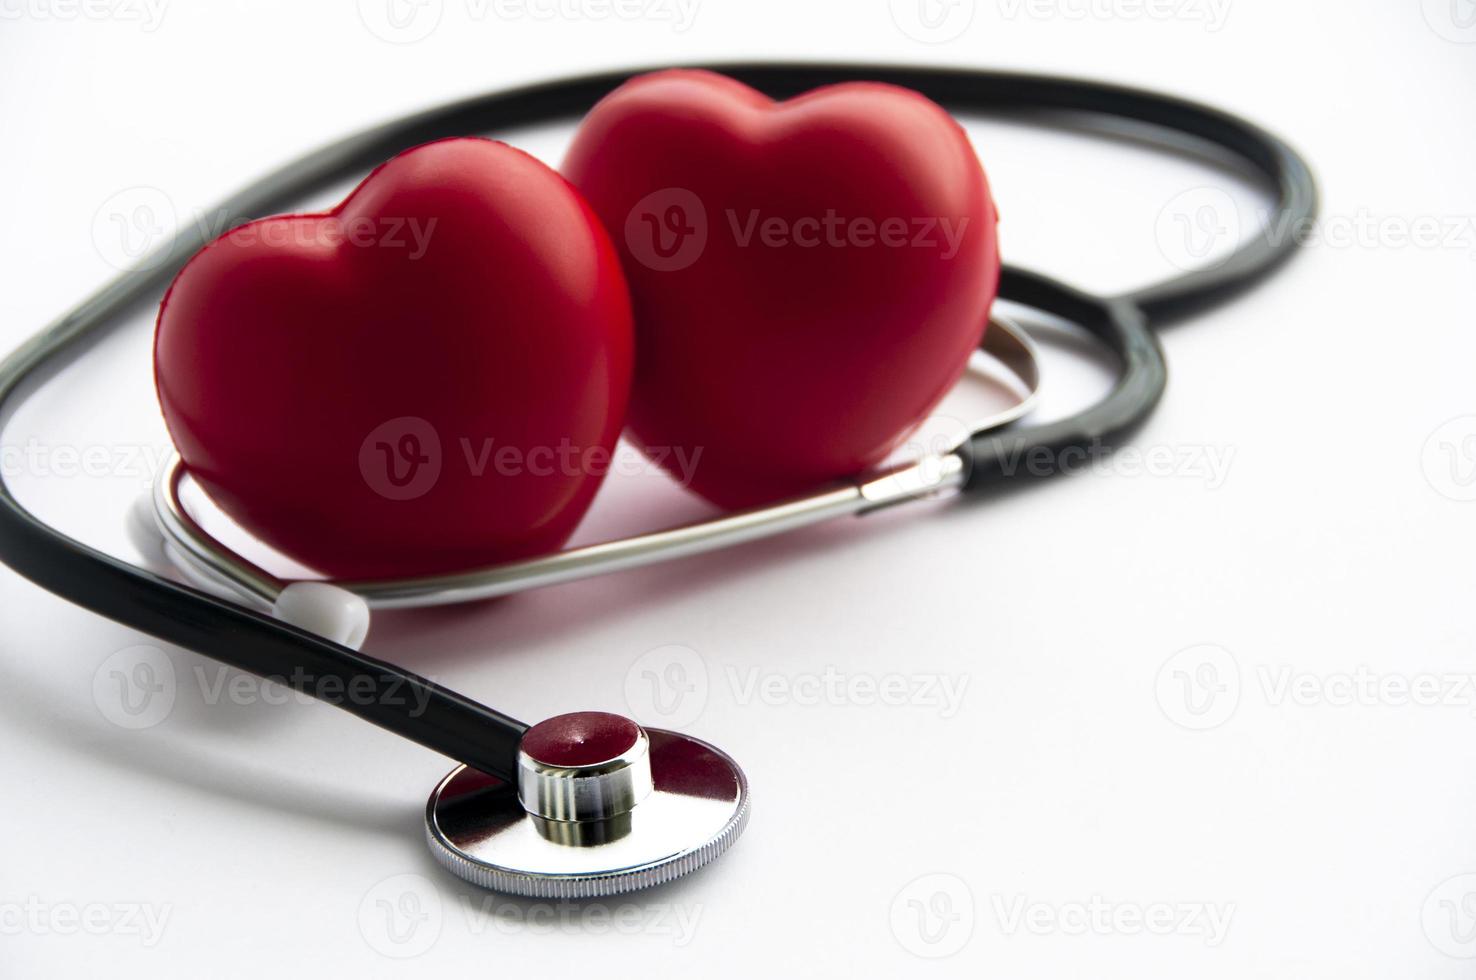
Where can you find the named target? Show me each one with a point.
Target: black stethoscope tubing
(451, 723)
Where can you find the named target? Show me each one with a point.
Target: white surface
(277, 838)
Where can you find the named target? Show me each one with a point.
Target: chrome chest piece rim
(593, 817)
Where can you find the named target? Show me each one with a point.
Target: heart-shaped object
(428, 377)
(809, 277)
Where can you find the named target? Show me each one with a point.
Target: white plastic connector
(334, 613)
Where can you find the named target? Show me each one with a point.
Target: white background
(1329, 562)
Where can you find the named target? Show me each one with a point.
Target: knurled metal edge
(577, 886)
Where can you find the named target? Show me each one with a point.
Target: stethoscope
(590, 803)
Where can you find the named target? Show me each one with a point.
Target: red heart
(809, 277)
(427, 377)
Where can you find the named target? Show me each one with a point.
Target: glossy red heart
(428, 377)
(809, 277)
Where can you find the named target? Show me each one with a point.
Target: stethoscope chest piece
(601, 807)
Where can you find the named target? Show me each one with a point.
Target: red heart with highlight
(428, 377)
(809, 277)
